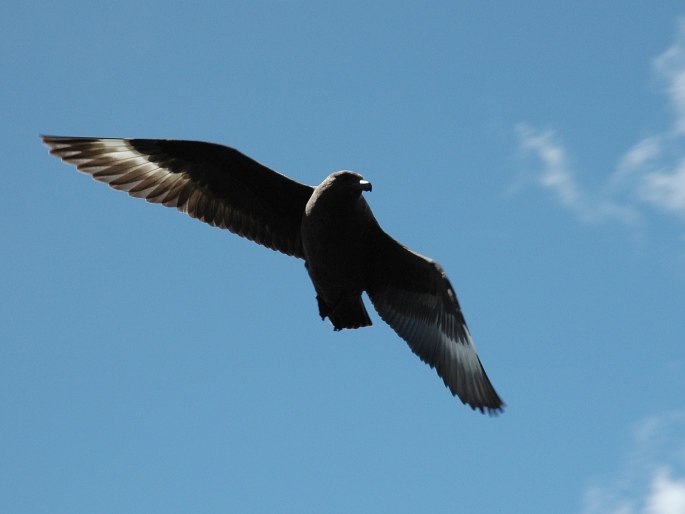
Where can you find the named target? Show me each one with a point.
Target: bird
(329, 226)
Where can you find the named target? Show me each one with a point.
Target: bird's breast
(334, 243)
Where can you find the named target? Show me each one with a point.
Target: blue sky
(149, 363)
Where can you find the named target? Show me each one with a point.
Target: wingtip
(50, 140)
(491, 410)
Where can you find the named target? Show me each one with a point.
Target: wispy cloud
(651, 174)
(666, 189)
(671, 67)
(556, 173)
(652, 479)
(558, 176)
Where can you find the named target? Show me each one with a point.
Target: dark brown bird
(331, 227)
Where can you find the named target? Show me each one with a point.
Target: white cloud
(652, 479)
(667, 495)
(651, 174)
(558, 176)
(641, 157)
(671, 68)
(555, 174)
(666, 189)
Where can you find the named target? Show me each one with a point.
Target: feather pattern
(215, 184)
(416, 299)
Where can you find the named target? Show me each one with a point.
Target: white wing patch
(116, 163)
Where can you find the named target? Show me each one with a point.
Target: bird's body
(330, 226)
(337, 249)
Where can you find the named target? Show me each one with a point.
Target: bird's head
(341, 190)
(343, 181)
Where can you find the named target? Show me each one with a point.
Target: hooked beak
(365, 185)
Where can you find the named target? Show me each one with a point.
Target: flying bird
(330, 226)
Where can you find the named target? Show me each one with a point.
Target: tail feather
(350, 312)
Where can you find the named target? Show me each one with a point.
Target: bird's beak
(365, 185)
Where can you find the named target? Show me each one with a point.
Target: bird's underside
(330, 226)
(348, 312)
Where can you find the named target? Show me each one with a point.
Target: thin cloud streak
(666, 189)
(651, 174)
(558, 176)
(670, 66)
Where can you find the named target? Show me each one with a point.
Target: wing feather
(414, 296)
(213, 183)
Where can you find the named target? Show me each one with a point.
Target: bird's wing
(414, 296)
(210, 182)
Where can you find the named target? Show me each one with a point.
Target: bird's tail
(350, 312)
